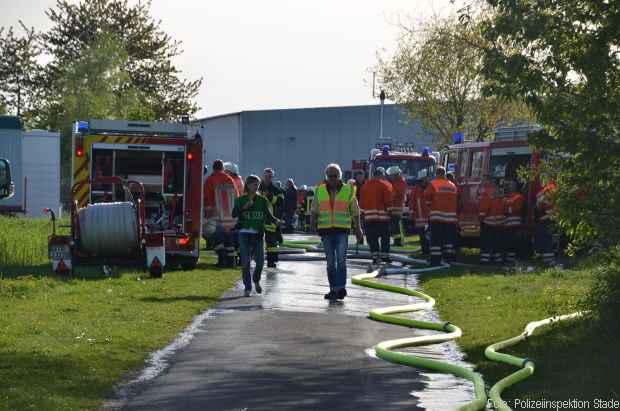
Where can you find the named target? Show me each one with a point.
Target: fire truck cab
(501, 160)
(413, 165)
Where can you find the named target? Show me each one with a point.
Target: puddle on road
(300, 286)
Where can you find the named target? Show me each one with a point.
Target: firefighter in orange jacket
(419, 212)
(399, 186)
(375, 201)
(513, 212)
(220, 193)
(491, 215)
(544, 223)
(441, 199)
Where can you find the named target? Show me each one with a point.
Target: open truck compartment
(147, 175)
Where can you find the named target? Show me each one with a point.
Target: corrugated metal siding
(41, 165)
(11, 149)
(298, 143)
(221, 138)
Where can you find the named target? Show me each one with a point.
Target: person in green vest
(335, 207)
(253, 212)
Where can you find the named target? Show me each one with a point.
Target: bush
(603, 300)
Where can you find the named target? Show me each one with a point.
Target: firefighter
(301, 198)
(273, 234)
(233, 171)
(399, 187)
(220, 193)
(544, 223)
(376, 199)
(419, 212)
(441, 199)
(513, 211)
(308, 201)
(491, 215)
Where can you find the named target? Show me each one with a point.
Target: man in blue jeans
(335, 208)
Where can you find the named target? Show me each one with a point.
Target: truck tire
(188, 263)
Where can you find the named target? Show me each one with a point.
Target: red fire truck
(412, 164)
(136, 196)
(501, 159)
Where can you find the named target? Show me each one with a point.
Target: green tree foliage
(436, 73)
(562, 58)
(149, 49)
(21, 75)
(97, 85)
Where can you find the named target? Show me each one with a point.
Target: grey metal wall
(298, 143)
(221, 138)
(11, 149)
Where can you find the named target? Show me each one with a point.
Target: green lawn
(573, 360)
(65, 342)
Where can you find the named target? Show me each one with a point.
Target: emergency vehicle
(501, 160)
(412, 164)
(7, 187)
(136, 196)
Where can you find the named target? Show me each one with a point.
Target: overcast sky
(271, 53)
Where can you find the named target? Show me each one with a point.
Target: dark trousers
(424, 234)
(490, 243)
(544, 241)
(378, 231)
(510, 241)
(271, 243)
(225, 246)
(396, 230)
(442, 242)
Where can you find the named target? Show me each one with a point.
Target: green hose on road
(526, 365)
(385, 349)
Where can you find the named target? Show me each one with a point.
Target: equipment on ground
(136, 197)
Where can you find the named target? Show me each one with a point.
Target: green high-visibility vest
(339, 216)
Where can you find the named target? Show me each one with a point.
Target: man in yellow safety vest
(335, 207)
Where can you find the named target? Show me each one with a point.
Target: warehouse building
(298, 143)
(35, 168)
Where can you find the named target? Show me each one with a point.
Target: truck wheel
(189, 263)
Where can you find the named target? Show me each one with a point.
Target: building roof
(10, 122)
(235, 113)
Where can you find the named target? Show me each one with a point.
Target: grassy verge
(576, 360)
(64, 342)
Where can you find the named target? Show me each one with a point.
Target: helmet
(380, 171)
(235, 169)
(393, 171)
(210, 227)
(228, 166)
(304, 187)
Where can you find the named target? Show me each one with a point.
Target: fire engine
(136, 196)
(412, 164)
(500, 159)
(6, 184)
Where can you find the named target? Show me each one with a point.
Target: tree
(149, 50)
(563, 59)
(96, 85)
(436, 73)
(21, 76)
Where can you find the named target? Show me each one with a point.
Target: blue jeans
(336, 245)
(251, 245)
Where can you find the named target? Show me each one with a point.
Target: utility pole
(382, 98)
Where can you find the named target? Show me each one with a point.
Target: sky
(271, 54)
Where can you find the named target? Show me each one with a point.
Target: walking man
(334, 208)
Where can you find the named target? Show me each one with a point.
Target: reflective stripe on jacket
(336, 213)
(513, 209)
(376, 199)
(441, 199)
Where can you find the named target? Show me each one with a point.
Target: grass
(573, 360)
(65, 342)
